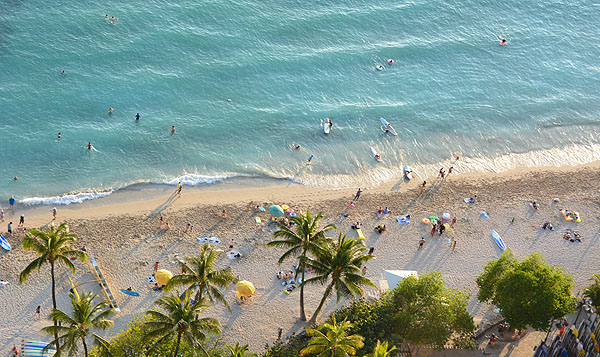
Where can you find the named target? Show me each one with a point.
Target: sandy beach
(124, 235)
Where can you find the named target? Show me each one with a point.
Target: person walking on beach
(38, 312)
(350, 207)
(22, 221)
(9, 228)
(53, 213)
(423, 186)
(187, 227)
(1, 215)
(450, 170)
(138, 116)
(454, 244)
(11, 201)
(179, 187)
(421, 242)
(224, 215)
(279, 334)
(357, 196)
(442, 173)
(162, 223)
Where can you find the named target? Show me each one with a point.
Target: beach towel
(257, 220)
(232, 254)
(208, 239)
(151, 279)
(403, 220)
(262, 209)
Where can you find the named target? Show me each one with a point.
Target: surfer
(388, 127)
(379, 67)
(89, 146)
(330, 123)
(297, 147)
(137, 116)
(377, 157)
(110, 110)
(59, 136)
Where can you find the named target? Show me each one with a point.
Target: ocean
(242, 81)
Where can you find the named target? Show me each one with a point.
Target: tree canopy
(529, 293)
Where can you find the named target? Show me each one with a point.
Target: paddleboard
(391, 128)
(4, 243)
(375, 155)
(128, 292)
(360, 233)
(326, 126)
(498, 240)
(408, 173)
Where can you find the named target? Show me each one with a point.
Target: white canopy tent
(393, 277)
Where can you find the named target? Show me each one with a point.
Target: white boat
(387, 127)
(375, 154)
(408, 172)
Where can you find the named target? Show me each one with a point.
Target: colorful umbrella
(244, 288)
(163, 276)
(276, 211)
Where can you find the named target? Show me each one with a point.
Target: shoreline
(130, 199)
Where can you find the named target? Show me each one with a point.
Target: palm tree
(239, 351)
(381, 350)
(181, 318)
(332, 339)
(201, 275)
(300, 241)
(53, 247)
(74, 328)
(592, 292)
(339, 261)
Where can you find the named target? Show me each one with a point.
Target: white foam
(193, 180)
(66, 199)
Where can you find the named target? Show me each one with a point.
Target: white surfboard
(408, 172)
(498, 240)
(326, 125)
(375, 155)
(390, 128)
(4, 243)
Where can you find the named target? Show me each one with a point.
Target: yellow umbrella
(244, 288)
(163, 276)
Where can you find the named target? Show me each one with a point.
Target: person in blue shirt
(11, 201)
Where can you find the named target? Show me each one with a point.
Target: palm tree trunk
(302, 313)
(54, 301)
(84, 347)
(177, 346)
(313, 319)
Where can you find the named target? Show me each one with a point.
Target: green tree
(529, 293)
(340, 263)
(202, 276)
(332, 339)
(75, 328)
(53, 247)
(181, 319)
(301, 240)
(428, 313)
(239, 351)
(381, 350)
(592, 292)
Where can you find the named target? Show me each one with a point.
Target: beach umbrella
(244, 288)
(163, 276)
(276, 211)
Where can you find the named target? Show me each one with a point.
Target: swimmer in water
(113, 19)
(59, 136)
(297, 147)
(110, 110)
(172, 129)
(377, 157)
(63, 72)
(15, 178)
(503, 42)
(390, 61)
(89, 146)
(379, 67)
(137, 116)
(106, 17)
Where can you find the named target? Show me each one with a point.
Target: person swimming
(390, 61)
(379, 67)
(502, 42)
(89, 146)
(59, 136)
(137, 116)
(172, 129)
(110, 110)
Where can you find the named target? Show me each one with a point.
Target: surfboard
(498, 240)
(4, 243)
(128, 292)
(407, 172)
(360, 234)
(385, 124)
(374, 152)
(326, 126)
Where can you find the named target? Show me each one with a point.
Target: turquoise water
(285, 65)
